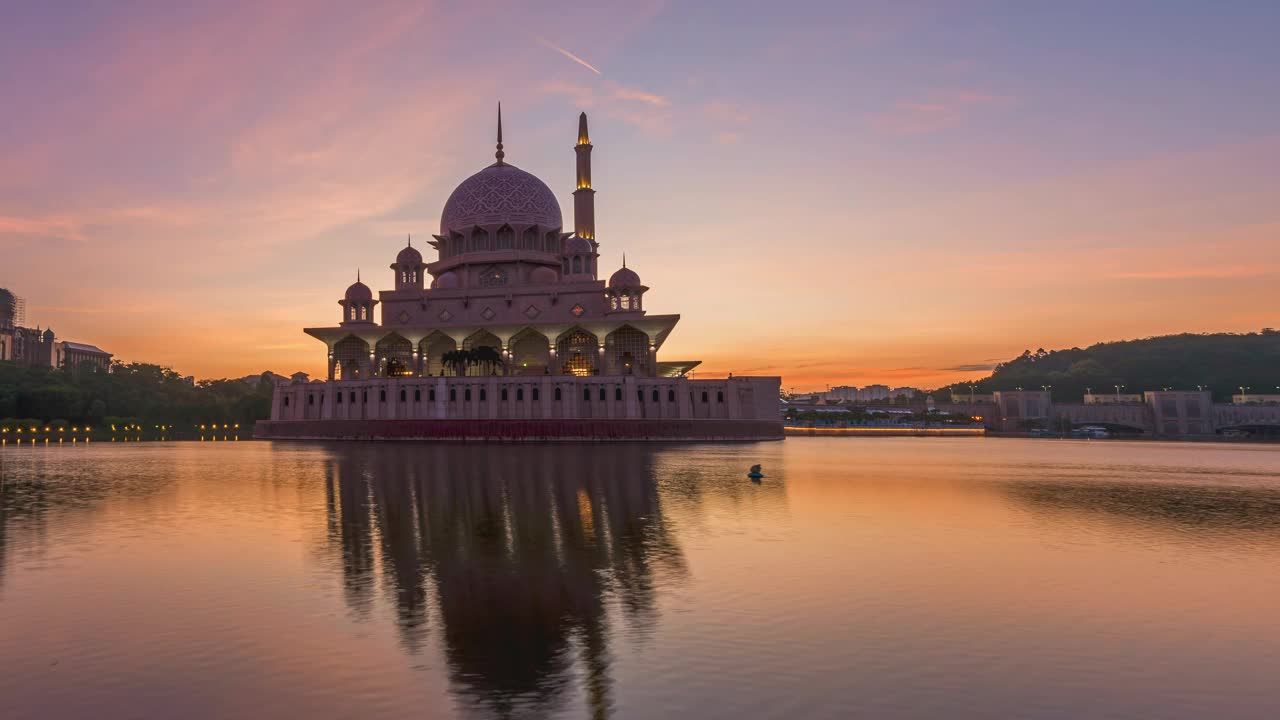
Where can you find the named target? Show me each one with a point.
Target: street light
(1118, 388)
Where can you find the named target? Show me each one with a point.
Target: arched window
(586, 394)
(566, 266)
(577, 264)
(617, 394)
(671, 396)
(479, 240)
(456, 244)
(536, 394)
(626, 302)
(551, 243)
(519, 394)
(529, 240)
(506, 237)
(601, 394)
(557, 395)
(655, 395)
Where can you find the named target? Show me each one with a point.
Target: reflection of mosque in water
(528, 551)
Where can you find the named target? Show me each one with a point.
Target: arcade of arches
(624, 351)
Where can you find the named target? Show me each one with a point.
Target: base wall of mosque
(546, 407)
(521, 430)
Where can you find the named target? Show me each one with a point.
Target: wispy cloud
(934, 112)
(550, 45)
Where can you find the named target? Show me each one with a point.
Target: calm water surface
(880, 578)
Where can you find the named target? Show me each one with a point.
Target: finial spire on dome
(357, 274)
(499, 154)
(624, 259)
(410, 239)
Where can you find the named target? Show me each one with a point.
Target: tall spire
(410, 239)
(500, 154)
(584, 204)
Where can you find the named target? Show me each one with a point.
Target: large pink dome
(500, 193)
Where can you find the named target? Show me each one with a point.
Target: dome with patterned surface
(499, 194)
(625, 277)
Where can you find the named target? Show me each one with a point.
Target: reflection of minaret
(584, 200)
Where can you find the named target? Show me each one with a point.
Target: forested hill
(133, 392)
(1221, 362)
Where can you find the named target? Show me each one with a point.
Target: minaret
(584, 201)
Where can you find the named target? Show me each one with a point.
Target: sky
(894, 192)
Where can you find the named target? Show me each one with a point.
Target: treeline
(139, 392)
(1221, 363)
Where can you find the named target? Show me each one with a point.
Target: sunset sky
(837, 192)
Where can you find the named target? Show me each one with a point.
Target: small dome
(576, 245)
(359, 291)
(624, 278)
(543, 276)
(409, 256)
(446, 281)
(500, 193)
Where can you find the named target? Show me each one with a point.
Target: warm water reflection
(521, 548)
(888, 578)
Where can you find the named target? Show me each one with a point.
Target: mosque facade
(512, 324)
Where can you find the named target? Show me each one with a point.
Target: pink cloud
(934, 112)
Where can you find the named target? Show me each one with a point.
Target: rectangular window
(311, 399)
(466, 395)
(482, 395)
(417, 394)
(704, 396)
(586, 394)
(601, 394)
(403, 397)
(640, 395)
(382, 396)
(504, 394)
(617, 394)
(286, 401)
(431, 395)
(519, 393)
(719, 396)
(364, 396)
(557, 395)
(671, 396)
(655, 395)
(453, 394)
(339, 398)
(535, 394)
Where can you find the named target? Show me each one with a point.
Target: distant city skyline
(839, 193)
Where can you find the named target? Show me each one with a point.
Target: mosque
(511, 323)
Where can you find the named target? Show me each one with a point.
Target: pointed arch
(479, 240)
(530, 353)
(529, 239)
(393, 356)
(433, 348)
(506, 238)
(485, 353)
(627, 352)
(351, 358)
(578, 352)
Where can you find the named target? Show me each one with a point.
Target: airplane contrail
(571, 56)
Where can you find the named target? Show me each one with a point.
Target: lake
(863, 577)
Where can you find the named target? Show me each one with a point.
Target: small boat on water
(755, 473)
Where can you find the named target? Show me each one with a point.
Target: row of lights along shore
(131, 431)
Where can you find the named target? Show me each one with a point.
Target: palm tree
(487, 357)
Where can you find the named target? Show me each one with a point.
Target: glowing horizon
(859, 193)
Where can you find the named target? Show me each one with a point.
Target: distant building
(74, 355)
(1256, 399)
(871, 393)
(1111, 398)
(34, 347)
